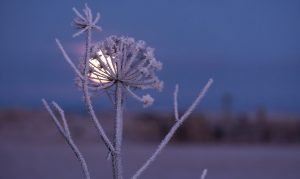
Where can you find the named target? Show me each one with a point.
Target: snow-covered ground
(25, 160)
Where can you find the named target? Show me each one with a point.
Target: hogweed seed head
(122, 59)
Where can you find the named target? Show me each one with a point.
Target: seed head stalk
(116, 150)
(116, 157)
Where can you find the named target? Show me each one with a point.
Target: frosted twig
(54, 118)
(78, 13)
(204, 173)
(67, 135)
(108, 157)
(169, 135)
(80, 32)
(63, 118)
(135, 96)
(198, 99)
(67, 58)
(147, 100)
(176, 114)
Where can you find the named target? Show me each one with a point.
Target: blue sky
(250, 48)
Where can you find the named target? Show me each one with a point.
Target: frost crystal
(147, 100)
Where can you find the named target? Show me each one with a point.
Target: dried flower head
(84, 21)
(122, 59)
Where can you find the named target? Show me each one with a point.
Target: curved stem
(174, 128)
(65, 132)
(116, 157)
(87, 98)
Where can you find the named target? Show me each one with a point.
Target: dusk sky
(251, 49)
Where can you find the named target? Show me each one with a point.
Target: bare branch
(198, 99)
(54, 118)
(172, 131)
(80, 32)
(67, 58)
(78, 13)
(204, 173)
(176, 114)
(98, 125)
(66, 134)
(147, 100)
(63, 118)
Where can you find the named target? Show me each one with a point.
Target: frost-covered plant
(119, 65)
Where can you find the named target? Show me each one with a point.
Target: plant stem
(116, 156)
(172, 131)
(86, 94)
(65, 132)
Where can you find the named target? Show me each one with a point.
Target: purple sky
(250, 48)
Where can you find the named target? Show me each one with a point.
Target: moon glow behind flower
(125, 60)
(101, 68)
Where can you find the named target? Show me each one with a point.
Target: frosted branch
(78, 13)
(67, 58)
(147, 100)
(176, 114)
(204, 173)
(63, 118)
(80, 32)
(198, 99)
(64, 130)
(172, 131)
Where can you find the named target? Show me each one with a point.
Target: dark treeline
(224, 127)
(238, 128)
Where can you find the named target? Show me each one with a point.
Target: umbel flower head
(124, 60)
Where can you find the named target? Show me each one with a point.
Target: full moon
(101, 68)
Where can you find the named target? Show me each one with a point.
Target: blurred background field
(244, 146)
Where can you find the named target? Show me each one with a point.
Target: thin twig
(78, 13)
(65, 131)
(54, 118)
(80, 32)
(65, 124)
(67, 58)
(169, 135)
(204, 173)
(176, 114)
(198, 99)
(135, 96)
